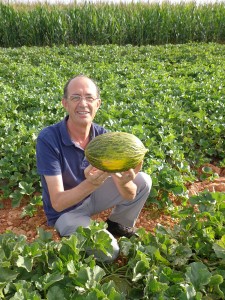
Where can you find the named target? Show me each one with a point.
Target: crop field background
(121, 24)
(172, 98)
(170, 95)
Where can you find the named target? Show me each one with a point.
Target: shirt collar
(65, 134)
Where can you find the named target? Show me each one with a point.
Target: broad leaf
(198, 274)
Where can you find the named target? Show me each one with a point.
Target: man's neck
(80, 135)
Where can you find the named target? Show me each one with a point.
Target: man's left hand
(125, 177)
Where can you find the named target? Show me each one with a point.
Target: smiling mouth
(83, 112)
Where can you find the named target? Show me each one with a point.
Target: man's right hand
(62, 199)
(95, 176)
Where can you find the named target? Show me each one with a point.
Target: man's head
(65, 90)
(81, 99)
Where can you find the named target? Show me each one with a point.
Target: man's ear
(99, 103)
(64, 103)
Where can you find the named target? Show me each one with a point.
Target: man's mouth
(83, 112)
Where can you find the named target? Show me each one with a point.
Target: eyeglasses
(78, 98)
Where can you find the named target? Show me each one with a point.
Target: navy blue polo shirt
(57, 154)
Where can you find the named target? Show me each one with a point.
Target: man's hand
(124, 177)
(95, 176)
(125, 184)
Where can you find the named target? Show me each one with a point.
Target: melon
(115, 151)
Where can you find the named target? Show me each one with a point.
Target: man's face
(82, 101)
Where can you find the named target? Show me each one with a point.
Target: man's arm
(61, 199)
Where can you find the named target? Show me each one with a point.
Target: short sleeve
(48, 158)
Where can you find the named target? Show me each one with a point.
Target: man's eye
(89, 98)
(76, 98)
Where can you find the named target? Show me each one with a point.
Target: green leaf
(198, 274)
(44, 235)
(189, 292)
(140, 269)
(154, 287)
(121, 284)
(180, 254)
(51, 279)
(216, 279)
(56, 293)
(16, 197)
(157, 255)
(23, 294)
(207, 170)
(88, 277)
(178, 190)
(7, 275)
(25, 262)
(116, 295)
(219, 248)
(26, 188)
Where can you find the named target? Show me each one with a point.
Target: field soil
(11, 220)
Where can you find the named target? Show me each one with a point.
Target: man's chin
(84, 120)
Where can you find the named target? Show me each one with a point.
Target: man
(73, 190)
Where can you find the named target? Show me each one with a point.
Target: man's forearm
(128, 190)
(65, 199)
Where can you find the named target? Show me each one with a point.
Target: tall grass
(136, 24)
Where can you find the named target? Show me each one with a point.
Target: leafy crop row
(171, 97)
(99, 24)
(185, 263)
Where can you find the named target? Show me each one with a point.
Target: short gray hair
(65, 90)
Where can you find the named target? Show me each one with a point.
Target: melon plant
(115, 151)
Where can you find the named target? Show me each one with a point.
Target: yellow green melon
(115, 151)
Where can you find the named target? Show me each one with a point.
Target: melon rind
(115, 152)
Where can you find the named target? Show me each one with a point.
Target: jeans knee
(67, 230)
(144, 182)
(64, 226)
